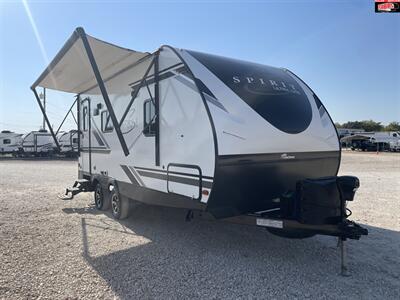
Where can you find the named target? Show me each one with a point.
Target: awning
(350, 138)
(71, 71)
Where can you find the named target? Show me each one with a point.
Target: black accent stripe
(129, 174)
(150, 79)
(98, 131)
(183, 180)
(155, 197)
(212, 99)
(209, 96)
(160, 78)
(249, 183)
(260, 158)
(98, 139)
(98, 151)
(175, 173)
(215, 102)
(137, 176)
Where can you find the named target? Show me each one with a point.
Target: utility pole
(43, 96)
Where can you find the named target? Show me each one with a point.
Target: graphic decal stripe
(99, 140)
(137, 176)
(129, 174)
(214, 101)
(175, 173)
(183, 180)
(100, 135)
(209, 98)
(150, 78)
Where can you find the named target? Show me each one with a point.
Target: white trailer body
(9, 142)
(38, 143)
(68, 142)
(187, 129)
(198, 134)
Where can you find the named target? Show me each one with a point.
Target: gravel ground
(66, 249)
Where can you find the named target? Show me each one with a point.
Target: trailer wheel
(101, 202)
(119, 205)
(291, 233)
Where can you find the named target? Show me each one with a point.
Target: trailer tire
(119, 205)
(291, 233)
(100, 200)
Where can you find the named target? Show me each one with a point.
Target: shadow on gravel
(204, 259)
(83, 210)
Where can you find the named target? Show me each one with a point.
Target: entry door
(86, 136)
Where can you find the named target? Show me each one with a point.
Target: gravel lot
(66, 249)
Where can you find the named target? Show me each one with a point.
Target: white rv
(68, 142)
(236, 140)
(374, 141)
(9, 142)
(38, 143)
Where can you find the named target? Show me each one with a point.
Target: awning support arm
(76, 122)
(45, 117)
(103, 90)
(66, 115)
(151, 96)
(136, 92)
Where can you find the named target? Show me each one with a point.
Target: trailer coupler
(80, 185)
(351, 230)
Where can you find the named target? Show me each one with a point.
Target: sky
(348, 54)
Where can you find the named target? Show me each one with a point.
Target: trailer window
(149, 116)
(75, 141)
(85, 118)
(106, 124)
(6, 141)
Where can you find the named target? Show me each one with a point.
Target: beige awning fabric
(71, 71)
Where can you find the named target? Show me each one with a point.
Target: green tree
(393, 126)
(367, 125)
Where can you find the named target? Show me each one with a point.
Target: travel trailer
(68, 142)
(374, 141)
(342, 132)
(9, 142)
(38, 143)
(234, 140)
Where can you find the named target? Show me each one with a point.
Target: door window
(149, 116)
(106, 124)
(85, 118)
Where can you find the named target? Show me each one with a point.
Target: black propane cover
(319, 201)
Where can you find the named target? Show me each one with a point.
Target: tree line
(370, 125)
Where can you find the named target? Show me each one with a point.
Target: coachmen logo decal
(286, 156)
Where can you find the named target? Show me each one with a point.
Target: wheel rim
(115, 204)
(98, 197)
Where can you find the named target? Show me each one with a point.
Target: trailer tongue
(318, 206)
